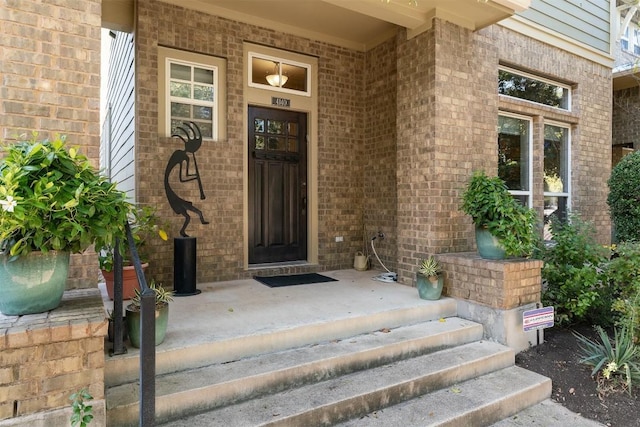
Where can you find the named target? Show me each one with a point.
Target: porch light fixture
(276, 79)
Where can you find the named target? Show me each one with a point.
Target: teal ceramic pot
(133, 325)
(32, 283)
(488, 245)
(427, 289)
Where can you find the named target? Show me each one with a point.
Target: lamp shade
(277, 80)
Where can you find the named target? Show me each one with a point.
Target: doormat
(293, 279)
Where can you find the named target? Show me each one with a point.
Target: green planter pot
(488, 245)
(133, 325)
(33, 283)
(427, 289)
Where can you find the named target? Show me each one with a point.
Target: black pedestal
(184, 266)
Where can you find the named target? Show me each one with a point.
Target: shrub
(624, 276)
(624, 187)
(575, 283)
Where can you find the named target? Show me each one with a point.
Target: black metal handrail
(147, 394)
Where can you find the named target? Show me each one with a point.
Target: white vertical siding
(118, 141)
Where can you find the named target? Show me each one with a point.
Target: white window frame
(540, 79)
(567, 193)
(528, 193)
(191, 101)
(279, 60)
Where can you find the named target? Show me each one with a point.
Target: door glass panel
(293, 145)
(276, 126)
(259, 142)
(278, 144)
(292, 128)
(258, 125)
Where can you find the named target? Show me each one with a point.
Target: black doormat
(293, 279)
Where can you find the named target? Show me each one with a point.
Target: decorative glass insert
(279, 135)
(192, 96)
(278, 74)
(535, 89)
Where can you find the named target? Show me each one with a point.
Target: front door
(277, 185)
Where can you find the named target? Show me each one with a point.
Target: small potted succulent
(504, 227)
(162, 298)
(53, 203)
(429, 279)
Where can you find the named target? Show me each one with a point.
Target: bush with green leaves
(624, 188)
(617, 362)
(574, 278)
(624, 275)
(82, 414)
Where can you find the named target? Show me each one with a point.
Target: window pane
(180, 110)
(513, 152)
(259, 142)
(278, 144)
(200, 112)
(203, 93)
(522, 87)
(182, 72)
(292, 129)
(297, 77)
(293, 145)
(554, 208)
(200, 75)
(182, 90)
(275, 126)
(206, 128)
(259, 125)
(556, 156)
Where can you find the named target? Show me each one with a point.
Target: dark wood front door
(277, 185)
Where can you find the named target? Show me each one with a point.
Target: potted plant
(504, 227)
(429, 279)
(53, 203)
(163, 298)
(144, 226)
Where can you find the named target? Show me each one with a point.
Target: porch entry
(277, 144)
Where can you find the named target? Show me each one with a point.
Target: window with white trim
(557, 174)
(193, 96)
(278, 74)
(514, 155)
(191, 88)
(522, 85)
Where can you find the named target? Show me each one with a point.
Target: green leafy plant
(624, 187)
(574, 277)
(144, 226)
(54, 199)
(489, 203)
(430, 267)
(82, 413)
(163, 297)
(616, 362)
(624, 277)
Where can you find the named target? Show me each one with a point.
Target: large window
(514, 155)
(519, 84)
(191, 89)
(557, 174)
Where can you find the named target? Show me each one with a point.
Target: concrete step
(183, 350)
(359, 393)
(215, 385)
(477, 402)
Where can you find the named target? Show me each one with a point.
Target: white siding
(117, 151)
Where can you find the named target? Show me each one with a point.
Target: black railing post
(147, 341)
(117, 314)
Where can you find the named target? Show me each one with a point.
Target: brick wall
(47, 357)
(626, 115)
(504, 284)
(340, 142)
(50, 74)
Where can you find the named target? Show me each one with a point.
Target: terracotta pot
(129, 281)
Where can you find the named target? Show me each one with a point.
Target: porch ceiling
(356, 24)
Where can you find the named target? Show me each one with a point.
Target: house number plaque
(280, 102)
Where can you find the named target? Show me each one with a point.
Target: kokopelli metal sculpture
(192, 138)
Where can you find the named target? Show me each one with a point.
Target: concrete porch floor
(226, 310)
